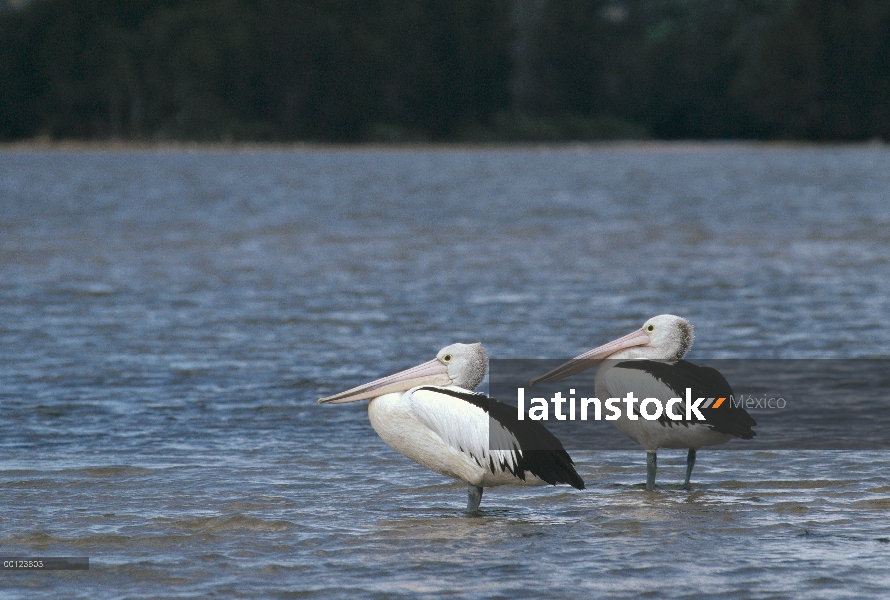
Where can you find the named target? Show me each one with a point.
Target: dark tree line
(352, 70)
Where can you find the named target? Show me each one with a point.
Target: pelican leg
(651, 461)
(474, 497)
(690, 462)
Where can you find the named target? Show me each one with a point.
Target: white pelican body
(443, 433)
(429, 414)
(616, 379)
(652, 438)
(648, 363)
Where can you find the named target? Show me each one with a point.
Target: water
(169, 317)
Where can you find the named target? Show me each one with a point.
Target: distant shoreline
(613, 145)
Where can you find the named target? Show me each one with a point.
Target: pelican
(648, 362)
(429, 414)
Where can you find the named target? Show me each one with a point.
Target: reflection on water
(168, 318)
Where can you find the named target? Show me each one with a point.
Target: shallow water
(168, 319)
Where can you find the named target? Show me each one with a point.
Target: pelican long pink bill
(433, 372)
(591, 358)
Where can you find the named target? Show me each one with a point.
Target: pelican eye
(650, 328)
(446, 358)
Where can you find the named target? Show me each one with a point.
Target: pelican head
(665, 337)
(463, 365)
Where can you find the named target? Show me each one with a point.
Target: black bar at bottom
(44, 563)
